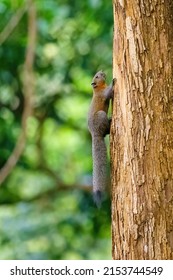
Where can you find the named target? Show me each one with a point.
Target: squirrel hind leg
(103, 123)
(98, 198)
(107, 132)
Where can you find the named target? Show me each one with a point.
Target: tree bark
(142, 130)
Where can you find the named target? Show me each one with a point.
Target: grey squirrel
(99, 127)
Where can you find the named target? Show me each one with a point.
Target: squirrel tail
(99, 153)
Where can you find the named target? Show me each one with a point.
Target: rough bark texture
(142, 130)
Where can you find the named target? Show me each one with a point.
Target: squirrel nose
(93, 83)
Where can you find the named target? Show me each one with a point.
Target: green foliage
(46, 208)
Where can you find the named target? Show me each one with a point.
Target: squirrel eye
(97, 77)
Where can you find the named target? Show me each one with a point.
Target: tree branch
(28, 91)
(14, 21)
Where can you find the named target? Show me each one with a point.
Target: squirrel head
(99, 80)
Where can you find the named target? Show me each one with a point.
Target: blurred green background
(46, 207)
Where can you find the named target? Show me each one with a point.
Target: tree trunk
(142, 130)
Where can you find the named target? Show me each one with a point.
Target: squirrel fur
(99, 127)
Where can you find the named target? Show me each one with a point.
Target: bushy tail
(99, 155)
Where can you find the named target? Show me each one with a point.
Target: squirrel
(99, 127)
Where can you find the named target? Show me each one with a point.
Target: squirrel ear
(103, 74)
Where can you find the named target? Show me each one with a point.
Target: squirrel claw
(114, 81)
